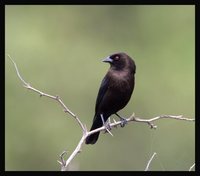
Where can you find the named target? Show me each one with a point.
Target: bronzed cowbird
(115, 90)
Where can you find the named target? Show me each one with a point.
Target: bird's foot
(123, 120)
(107, 126)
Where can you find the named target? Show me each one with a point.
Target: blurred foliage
(59, 49)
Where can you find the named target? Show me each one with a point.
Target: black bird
(115, 91)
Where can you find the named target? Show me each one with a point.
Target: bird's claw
(107, 127)
(123, 122)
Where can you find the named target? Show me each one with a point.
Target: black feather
(115, 90)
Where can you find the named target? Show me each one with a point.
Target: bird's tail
(92, 139)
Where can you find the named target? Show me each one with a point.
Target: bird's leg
(107, 125)
(123, 120)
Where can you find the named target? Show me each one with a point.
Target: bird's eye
(116, 58)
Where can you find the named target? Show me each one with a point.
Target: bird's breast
(122, 81)
(120, 86)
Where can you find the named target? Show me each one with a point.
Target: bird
(115, 91)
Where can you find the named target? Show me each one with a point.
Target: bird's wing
(102, 91)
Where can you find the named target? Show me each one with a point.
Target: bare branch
(64, 164)
(149, 162)
(75, 152)
(149, 121)
(137, 119)
(118, 123)
(17, 70)
(56, 98)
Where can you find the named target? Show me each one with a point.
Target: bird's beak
(107, 59)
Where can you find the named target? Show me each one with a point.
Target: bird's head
(120, 61)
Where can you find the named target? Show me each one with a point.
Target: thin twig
(149, 162)
(56, 98)
(149, 121)
(17, 71)
(74, 153)
(62, 162)
(192, 167)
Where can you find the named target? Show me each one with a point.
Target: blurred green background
(59, 48)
